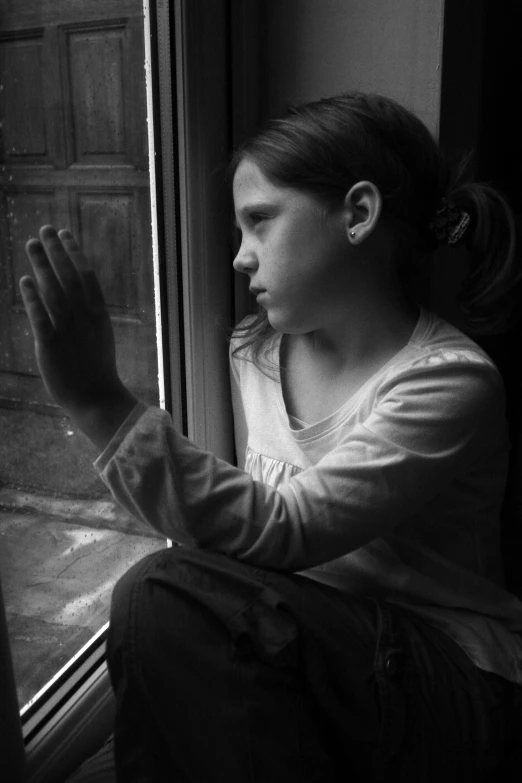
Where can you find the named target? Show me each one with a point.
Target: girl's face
(296, 254)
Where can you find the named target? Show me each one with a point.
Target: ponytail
(490, 293)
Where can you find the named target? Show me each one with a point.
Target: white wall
(314, 48)
(300, 50)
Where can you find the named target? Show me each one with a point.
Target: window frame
(12, 755)
(69, 718)
(201, 38)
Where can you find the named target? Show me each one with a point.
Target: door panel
(73, 153)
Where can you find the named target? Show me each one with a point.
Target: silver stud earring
(352, 234)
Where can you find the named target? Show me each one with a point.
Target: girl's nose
(245, 261)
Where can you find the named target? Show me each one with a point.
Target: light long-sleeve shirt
(397, 494)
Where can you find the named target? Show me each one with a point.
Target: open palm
(74, 340)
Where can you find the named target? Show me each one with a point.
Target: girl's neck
(322, 370)
(367, 330)
(359, 329)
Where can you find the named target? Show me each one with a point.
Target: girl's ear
(362, 209)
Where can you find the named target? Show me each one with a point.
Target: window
(80, 117)
(73, 108)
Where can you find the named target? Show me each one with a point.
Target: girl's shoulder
(436, 340)
(443, 367)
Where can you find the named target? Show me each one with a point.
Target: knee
(128, 589)
(132, 595)
(179, 587)
(131, 607)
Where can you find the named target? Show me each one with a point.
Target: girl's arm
(426, 430)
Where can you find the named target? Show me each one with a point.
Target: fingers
(62, 263)
(66, 284)
(73, 250)
(39, 319)
(89, 281)
(49, 290)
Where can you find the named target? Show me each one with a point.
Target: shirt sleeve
(427, 428)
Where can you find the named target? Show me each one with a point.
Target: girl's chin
(285, 325)
(277, 321)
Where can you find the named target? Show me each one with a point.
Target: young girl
(336, 610)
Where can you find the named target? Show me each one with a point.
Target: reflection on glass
(73, 153)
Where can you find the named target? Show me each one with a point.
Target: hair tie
(450, 222)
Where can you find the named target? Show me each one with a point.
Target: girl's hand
(73, 334)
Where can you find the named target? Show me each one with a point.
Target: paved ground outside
(63, 544)
(46, 454)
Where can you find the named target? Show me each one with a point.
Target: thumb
(93, 293)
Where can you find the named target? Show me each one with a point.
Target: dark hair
(326, 146)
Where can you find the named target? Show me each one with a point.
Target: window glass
(73, 153)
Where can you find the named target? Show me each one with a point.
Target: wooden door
(73, 152)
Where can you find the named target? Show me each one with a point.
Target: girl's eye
(256, 218)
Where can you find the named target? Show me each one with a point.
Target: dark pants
(226, 672)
